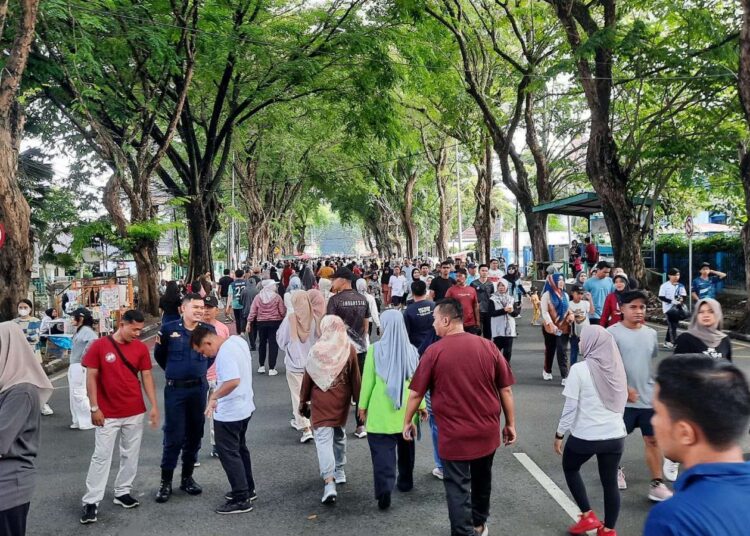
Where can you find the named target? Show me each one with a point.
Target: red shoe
(586, 523)
(602, 532)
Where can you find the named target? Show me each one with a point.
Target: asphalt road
(529, 492)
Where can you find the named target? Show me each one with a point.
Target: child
(581, 310)
(537, 304)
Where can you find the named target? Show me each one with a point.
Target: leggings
(505, 345)
(267, 343)
(556, 344)
(608, 453)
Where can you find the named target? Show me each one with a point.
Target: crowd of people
(405, 343)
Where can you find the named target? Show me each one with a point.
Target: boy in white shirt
(581, 310)
(231, 405)
(672, 294)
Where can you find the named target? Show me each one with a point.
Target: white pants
(294, 380)
(130, 430)
(80, 409)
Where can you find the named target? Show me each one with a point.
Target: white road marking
(550, 487)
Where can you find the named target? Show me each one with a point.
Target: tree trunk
(744, 94)
(537, 226)
(301, 238)
(407, 217)
(199, 239)
(147, 264)
(484, 216)
(441, 239)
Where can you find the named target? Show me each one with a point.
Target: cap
(705, 265)
(211, 301)
(472, 265)
(343, 273)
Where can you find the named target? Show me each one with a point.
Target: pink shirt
(223, 331)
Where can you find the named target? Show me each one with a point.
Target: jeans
(433, 433)
(130, 430)
(13, 520)
(234, 456)
(505, 345)
(608, 453)
(267, 343)
(361, 362)
(330, 443)
(389, 451)
(556, 344)
(574, 340)
(468, 486)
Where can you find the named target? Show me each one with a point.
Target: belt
(184, 383)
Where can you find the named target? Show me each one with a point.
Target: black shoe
(190, 486)
(384, 502)
(234, 507)
(126, 501)
(230, 496)
(89, 514)
(165, 490)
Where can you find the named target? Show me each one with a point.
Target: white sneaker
(74, 426)
(329, 494)
(563, 382)
(668, 345)
(360, 432)
(437, 473)
(670, 469)
(485, 531)
(659, 492)
(339, 476)
(273, 372)
(306, 436)
(261, 370)
(546, 376)
(293, 424)
(621, 482)
(46, 410)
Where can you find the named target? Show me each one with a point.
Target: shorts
(397, 300)
(639, 418)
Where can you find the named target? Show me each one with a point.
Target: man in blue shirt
(705, 285)
(701, 413)
(599, 287)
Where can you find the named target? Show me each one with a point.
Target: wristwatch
(94, 409)
(559, 436)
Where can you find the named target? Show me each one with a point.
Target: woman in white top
(595, 397)
(372, 305)
(397, 284)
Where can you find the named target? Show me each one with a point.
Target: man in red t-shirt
(469, 383)
(467, 297)
(114, 390)
(591, 253)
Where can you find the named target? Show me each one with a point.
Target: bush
(678, 243)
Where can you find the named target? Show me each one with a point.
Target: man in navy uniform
(184, 397)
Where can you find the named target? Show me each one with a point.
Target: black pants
(13, 520)
(556, 344)
(361, 361)
(608, 454)
(235, 457)
(505, 345)
(252, 337)
(486, 325)
(389, 451)
(672, 325)
(239, 321)
(267, 343)
(468, 485)
(183, 425)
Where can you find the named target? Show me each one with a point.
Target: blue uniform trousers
(184, 409)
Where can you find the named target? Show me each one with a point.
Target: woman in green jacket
(389, 366)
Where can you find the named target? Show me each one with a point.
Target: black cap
(81, 312)
(211, 301)
(344, 273)
(705, 265)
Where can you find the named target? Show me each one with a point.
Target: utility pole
(516, 238)
(458, 195)
(231, 257)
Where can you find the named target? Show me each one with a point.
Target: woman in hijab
(318, 304)
(389, 365)
(331, 381)
(595, 396)
(24, 389)
(267, 311)
(308, 279)
(704, 336)
(557, 318)
(324, 285)
(373, 307)
(296, 336)
(611, 313)
(503, 319)
(515, 288)
(295, 283)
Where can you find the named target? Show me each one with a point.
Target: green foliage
(678, 243)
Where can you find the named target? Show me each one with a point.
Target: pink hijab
(330, 353)
(600, 351)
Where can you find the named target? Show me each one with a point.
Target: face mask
(24, 311)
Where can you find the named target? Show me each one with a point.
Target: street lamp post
(458, 195)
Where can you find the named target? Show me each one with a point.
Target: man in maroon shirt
(467, 297)
(469, 383)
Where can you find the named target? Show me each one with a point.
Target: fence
(731, 263)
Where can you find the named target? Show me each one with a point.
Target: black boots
(187, 484)
(165, 487)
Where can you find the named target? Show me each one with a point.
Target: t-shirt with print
(464, 374)
(418, 319)
(638, 348)
(580, 311)
(484, 291)
(467, 297)
(495, 275)
(687, 343)
(118, 390)
(352, 307)
(670, 291)
(705, 288)
(599, 289)
(593, 421)
(235, 291)
(440, 286)
(234, 362)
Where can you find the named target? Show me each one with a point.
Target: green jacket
(382, 418)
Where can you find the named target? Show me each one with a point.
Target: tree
(744, 94)
(15, 257)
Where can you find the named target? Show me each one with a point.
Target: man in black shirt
(442, 283)
(418, 315)
(485, 288)
(224, 283)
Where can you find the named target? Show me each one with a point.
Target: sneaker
(273, 372)
(360, 432)
(74, 426)
(197, 464)
(668, 345)
(659, 492)
(261, 370)
(214, 454)
(585, 523)
(89, 514)
(234, 507)
(339, 476)
(437, 473)
(670, 469)
(329, 493)
(602, 532)
(293, 424)
(546, 376)
(307, 435)
(229, 496)
(621, 482)
(46, 411)
(484, 532)
(126, 501)
(563, 382)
